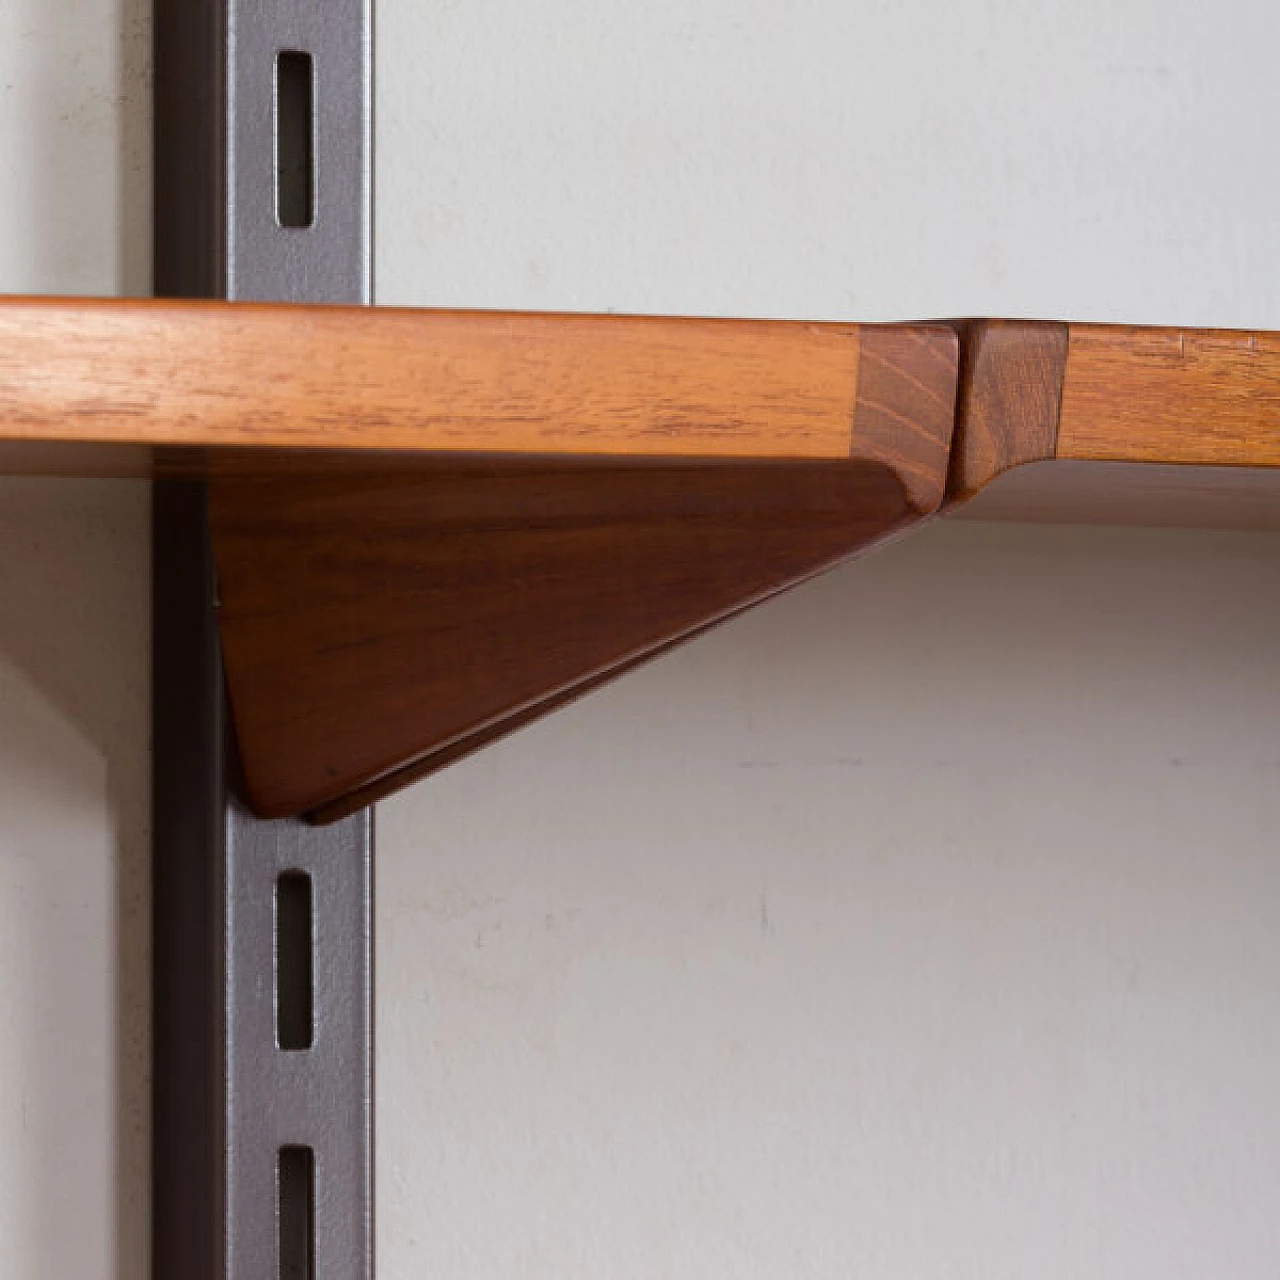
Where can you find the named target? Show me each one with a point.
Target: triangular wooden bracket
(378, 626)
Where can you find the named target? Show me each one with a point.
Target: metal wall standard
(262, 931)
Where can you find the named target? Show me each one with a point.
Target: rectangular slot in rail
(296, 1213)
(295, 970)
(295, 139)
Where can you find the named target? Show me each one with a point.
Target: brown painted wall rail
(433, 526)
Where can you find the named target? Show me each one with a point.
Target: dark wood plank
(1011, 374)
(906, 404)
(375, 624)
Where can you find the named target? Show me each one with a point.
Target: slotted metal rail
(263, 978)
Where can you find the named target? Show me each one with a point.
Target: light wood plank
(257, 377)
(1191, 396)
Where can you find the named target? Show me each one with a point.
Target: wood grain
(1190, 396)
(906, 388)
(368, 624)
(1011, 374)
(906, 406)
(468, 744)
(257, 378)
(1154, 426)
(376, 626)
(164, 387)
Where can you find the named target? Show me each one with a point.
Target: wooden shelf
(145, 385)
(433, 526)
(1118, 425)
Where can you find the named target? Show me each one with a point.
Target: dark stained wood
(907, 403)
(371, 624)
(470, 743)
(1011, 374)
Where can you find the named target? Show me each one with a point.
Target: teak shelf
(432, 526)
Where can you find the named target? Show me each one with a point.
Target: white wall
(920, 924)
(73, 682)
(923, 924)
